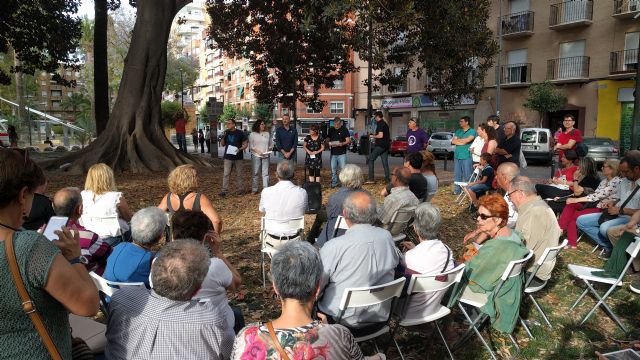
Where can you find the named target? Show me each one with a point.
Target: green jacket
(483, 274)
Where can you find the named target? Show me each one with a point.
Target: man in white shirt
(283, 201)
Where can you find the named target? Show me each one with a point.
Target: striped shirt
(92, 247)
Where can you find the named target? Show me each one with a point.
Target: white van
(537, 144)
(4, 133)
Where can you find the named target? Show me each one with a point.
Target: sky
(86, 8)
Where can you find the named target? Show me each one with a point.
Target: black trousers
(550, 192)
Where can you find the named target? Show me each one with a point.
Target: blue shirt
(129, 263)
(286, 139)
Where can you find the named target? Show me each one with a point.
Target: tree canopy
(544, 97)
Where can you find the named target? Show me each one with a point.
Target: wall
(609, 108)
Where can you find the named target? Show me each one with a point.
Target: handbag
(27, 304)
(605, 216)
(276, 342)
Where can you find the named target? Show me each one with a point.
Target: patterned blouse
(605, 190)
(313, 341)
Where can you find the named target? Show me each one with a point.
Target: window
(631, 50)
(570, 64)
(338, 84)
(43, 82)
(337, 107)
(310, 110)
(55, 104)
(56, 93)
(516, 71)
(44, 93)
(402, 87)
(519, 6)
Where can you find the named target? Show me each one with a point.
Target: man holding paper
(339, 139)
(234, 142)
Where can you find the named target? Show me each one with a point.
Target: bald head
(360, 208)
(68, 202)
(402, 176)
(506, 172)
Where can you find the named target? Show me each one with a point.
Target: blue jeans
(589, 225)
(462, 169)
(337, 163)
(291, 161)
(182, 141)
(259, 166)
(384, 156)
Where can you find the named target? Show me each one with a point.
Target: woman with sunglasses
(484, 270)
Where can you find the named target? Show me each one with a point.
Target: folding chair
(478, 300)
(276, 226)
(400, 221)
(585, 274)
(368, 296)
(341, 224)
(429, 285)
(92, 332)
(107, 288)
(549, 254)
(474, 176)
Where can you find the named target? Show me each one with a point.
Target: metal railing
(570, 11)
(625, 6)
(623, 61)
(515, 73)
(517, 22)
(575, 67)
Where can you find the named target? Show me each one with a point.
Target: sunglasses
(484, 216)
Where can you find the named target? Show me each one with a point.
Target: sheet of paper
(232, 150)
(312, 156)
(461, 183)
(55, 223)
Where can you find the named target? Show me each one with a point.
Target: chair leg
(264, 277)
(595, 248)
(579, 299)
(397, 347)
(544, 316)
(515, 343)
(475, 329)
(526, 328)
(444, 341)
(607, 309)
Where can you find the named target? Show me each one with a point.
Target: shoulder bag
(27, 304)
(605, 216)
(276, 342)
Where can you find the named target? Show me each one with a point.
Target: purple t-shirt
(416, 140)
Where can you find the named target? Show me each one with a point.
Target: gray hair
(509, 169)
(427, 221)
(147, 225)
(351, 176)
(296, 270)
(523, 184)
(284, 170)
(66, 201)
(360, 208)
(179, 269)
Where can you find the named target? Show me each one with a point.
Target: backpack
(581, 149)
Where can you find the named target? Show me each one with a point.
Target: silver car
(601, 149)
(440, 144)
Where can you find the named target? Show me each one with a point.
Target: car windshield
(598, 141)
(441, 136)
(401, 138)
(528, 137)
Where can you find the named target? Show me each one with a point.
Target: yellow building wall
(608, 123)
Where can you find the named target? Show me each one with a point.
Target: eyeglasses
(484, 216)
(509, 194)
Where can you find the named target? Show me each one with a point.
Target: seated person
(364, 256)
(429, 173)
(483, 184)
(283, 201)
(585, 181)
(48, 141)
(484, 270)
(68, 202)
(561, 185)
(165, 323)
(222, 275)
(400, 196)
(431, 256)
(418, 185)
(296, 272)
(131, 261)
(41, 209)
(183, 195)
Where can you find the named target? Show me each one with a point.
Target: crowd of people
(179, 307)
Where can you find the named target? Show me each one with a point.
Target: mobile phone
(55, 223)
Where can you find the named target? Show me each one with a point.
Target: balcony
(625, 9)
(517, 25)
(623, 62)
(568, 69)
(570, 14)
(514, 75)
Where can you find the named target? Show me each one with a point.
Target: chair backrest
(282, 226)
(549, 254)
(634, 248)
(401, 219)
(515, 267)
(420, 283)
(371, 295)
(341, 224)
(101, 225)
(110, 287)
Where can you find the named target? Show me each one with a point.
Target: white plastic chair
(478, 300)
(92, 332)
(428, 284)
(474, 176)
(585, 274)
(368, 296)
(107, 288)
(549, 254)
(400, 221)
(276, 226)
(102, 225)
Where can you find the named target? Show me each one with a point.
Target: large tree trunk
(133, 139)
(100, 66)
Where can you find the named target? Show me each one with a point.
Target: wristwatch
(79, 260)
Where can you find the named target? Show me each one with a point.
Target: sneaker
(605, 255)
(635, 285)
(369, 182)
(222, 194)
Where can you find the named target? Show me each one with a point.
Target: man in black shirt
(494, 122)
(508, 150)
(234, 142)
(380, 148)
(339, 139)
(417, 183)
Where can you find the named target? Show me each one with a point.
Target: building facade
(50, 97)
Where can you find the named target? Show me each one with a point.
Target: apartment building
(588, 48)
(189, 33)
(51, 96)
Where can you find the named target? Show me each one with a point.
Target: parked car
(301, 138)
(4, 133)
(398, 146)
(440, 144)
(601, 149)
(537, 144)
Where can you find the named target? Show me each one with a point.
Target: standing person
(201, 140)
(509, 149)
(494, 122)
(259, 146)
(490, 142)
(570, 137)
(313, 146)
(180, 123)
(13, 136)
(381, 148)
(477, 145)
(194, 138)
(207, 139)
(234, 142)
(339, 140)
(286, 140)
(417, 138)
(463, 165)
